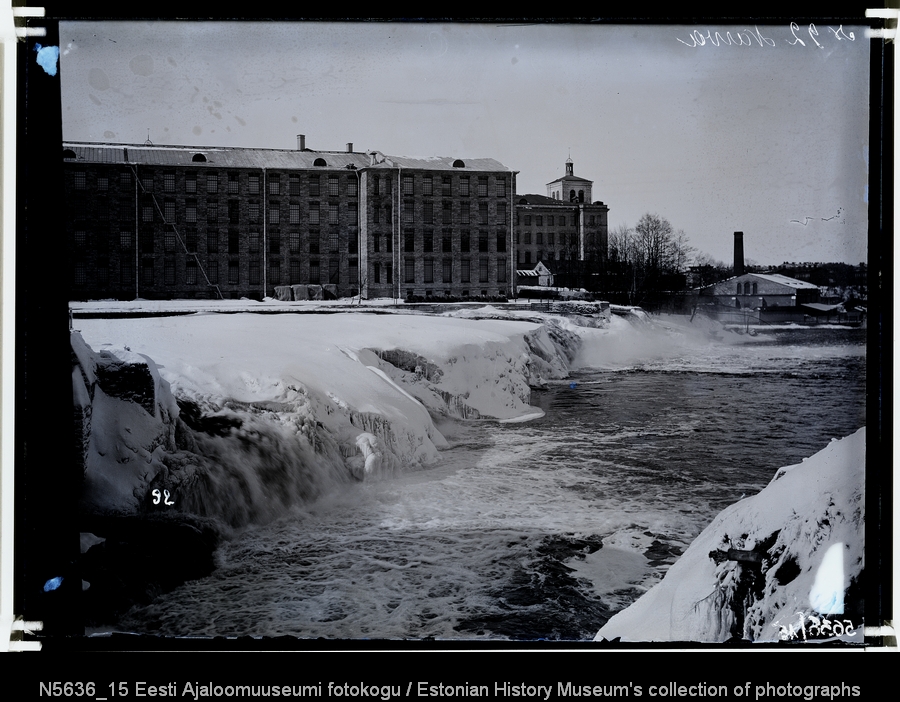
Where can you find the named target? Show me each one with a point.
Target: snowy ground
(268, 305)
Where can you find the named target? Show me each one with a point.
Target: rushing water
(539, 530)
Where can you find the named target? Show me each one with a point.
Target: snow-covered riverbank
(346, 395)
(774, 566)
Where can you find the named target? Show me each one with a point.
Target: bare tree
(653, 234)
(621, 244)
(701, 258)
(660, 249)
(705, 270)
(680, 252)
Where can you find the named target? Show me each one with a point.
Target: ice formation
(240, 416)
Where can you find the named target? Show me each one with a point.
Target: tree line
(647, 260)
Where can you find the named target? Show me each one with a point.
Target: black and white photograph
(494, 332)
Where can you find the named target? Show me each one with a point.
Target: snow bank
(125, 420)
(272, 409)
(792, 554)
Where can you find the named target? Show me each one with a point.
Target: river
(543, 529)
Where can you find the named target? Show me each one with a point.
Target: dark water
(710, 426)
(539, 530)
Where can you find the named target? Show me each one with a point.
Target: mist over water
(539, 530)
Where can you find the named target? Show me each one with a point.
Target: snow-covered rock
(125, 425)
(792, 554)
(276, 409)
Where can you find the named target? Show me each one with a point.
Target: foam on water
(540, 529)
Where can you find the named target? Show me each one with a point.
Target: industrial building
(759, 297)
(157, 222)
(148, 221)
(564, 229)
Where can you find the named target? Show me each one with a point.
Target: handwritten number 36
(165, 494)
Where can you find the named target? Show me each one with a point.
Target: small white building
(540, 275)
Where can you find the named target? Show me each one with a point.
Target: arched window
(747, 288)
(523, 201)
(738, 288)
(458, 163)
(581, 196)
(754, 288)
(319, 162)
(571, 196)
(199, 158)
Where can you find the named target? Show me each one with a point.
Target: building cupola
(569, 167)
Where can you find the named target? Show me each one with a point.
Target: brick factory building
(564, 230)
(157, 222)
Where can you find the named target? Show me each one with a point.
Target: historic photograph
(466, 331)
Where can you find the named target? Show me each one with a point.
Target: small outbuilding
(540, 275)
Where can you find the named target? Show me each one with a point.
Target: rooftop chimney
(349, 147)
(739, 253)
(301, 142)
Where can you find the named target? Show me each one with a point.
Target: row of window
(429, 242)
(551, 220)
(314, 240)
(573, 196)
(334, 185)
(195, 275)
(190, 242)
(524, 238)
(427, 185)
(446, 270)
(464, 213)
(316, 212)
(381, 272)
(525, 256)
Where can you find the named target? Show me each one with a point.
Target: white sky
(714, 138)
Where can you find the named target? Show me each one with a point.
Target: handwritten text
(754, 37)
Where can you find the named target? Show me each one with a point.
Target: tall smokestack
(301, 142)
(739, 253)
(349, 147)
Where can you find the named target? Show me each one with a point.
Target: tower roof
(570, 179)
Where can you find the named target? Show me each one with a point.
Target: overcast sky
(770, 138)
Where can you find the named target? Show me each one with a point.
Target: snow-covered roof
(771, 277)
(543, 200)
(227, 157)
(784, 280)
(572, 178)
(539, 269)
(821, 307)
(444, 163)
(243, 157)
(532, 199)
